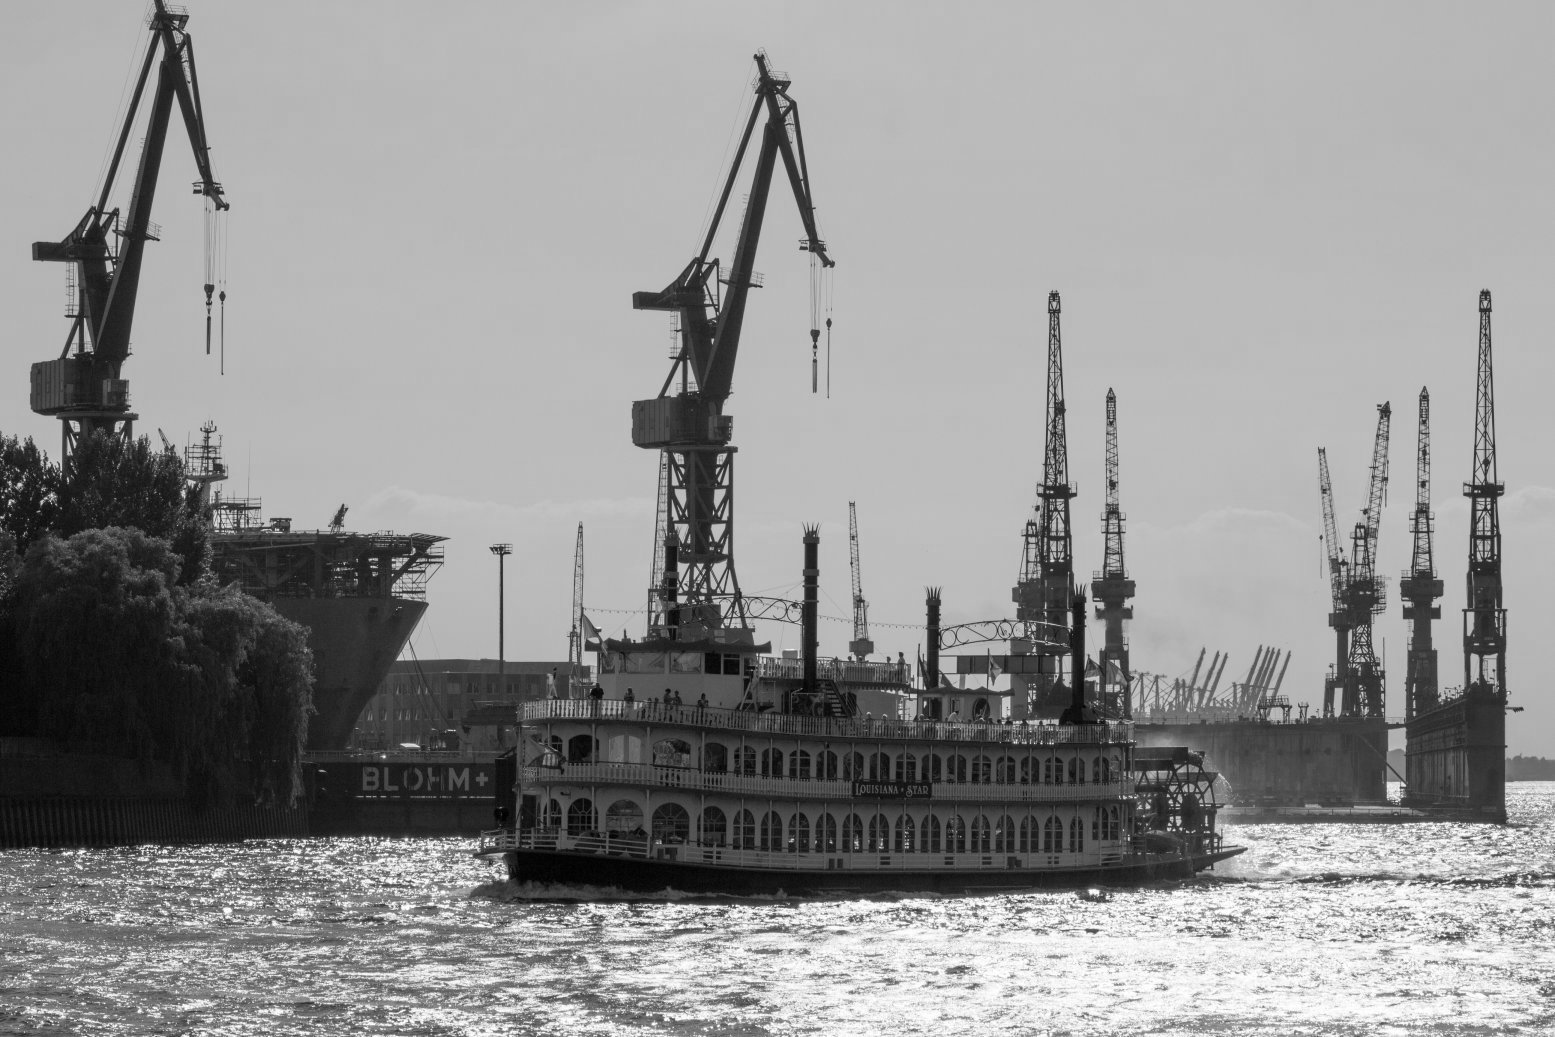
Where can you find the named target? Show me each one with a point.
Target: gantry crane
(84, 387)
(1365, 595)
(1420, 588)
(1484, 618)
(1112, 588)
(699, 591)
(1042, 597)
(1339, 618)
(861, 646)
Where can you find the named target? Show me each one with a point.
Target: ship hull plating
(1335, 761)
(1455, 758)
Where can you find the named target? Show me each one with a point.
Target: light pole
(501, 551)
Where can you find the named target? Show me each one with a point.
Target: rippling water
(1317, 929)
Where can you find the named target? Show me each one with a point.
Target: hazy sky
(1264, 221)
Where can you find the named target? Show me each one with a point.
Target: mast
(1338, 618)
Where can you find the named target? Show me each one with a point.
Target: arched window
(955, 835)
(553, 815)
(743, 837)
(931, 834)
(624, 817)
(1004, 770)
(933, 769)
(1004, 835)
(1053, 836)
(955, 768)
(1107, 823)
(879, 834)
(799, 765)
(745, 760)
(905, 832)
(1076, 835)
(1117, 767)
(1027, 770)
(852, 834)
(771, 831)
(906, 767)
(982, 770)
(671, 752)
(1030, 835)
(671, 823)
(1076, 771)
(1052, 771)
(852, 766)
(714, 829)
(826, 834)
(772, 763)
(827, 767)
(1098, 770)
(798, 833)
(715, 758)
(581, 817)
(580, 749)
(879, 767)
(981, 841)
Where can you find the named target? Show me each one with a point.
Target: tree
(29, 491)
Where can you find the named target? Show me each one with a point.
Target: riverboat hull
(1000, 872)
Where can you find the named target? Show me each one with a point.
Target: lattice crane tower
(861, 646)
(1365, 595)
(1042, 597)
(1484, 618)
(1111, 587)
(686, 422)
(1420, 589)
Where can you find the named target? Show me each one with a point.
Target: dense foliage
(114, 636)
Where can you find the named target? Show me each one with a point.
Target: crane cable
(216, 273)
(820, 301)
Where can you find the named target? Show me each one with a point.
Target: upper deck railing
(654, 712)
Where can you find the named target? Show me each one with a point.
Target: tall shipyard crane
(1339, 618)
(1420, 589)
(1111, 587)
(1365, 595)
(1484, 618)
(861, 646)
(1042, 597)
(699, 591)
(84, 387)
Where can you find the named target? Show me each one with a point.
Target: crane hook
(815, 370)
(208, 290)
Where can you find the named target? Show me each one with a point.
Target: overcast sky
(1264, 220)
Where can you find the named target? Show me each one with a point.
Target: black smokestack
(931, 667)
(812, 578)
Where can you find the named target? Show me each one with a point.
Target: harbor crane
(84, 387)
(1043, 594)
(861, 646)
(1484, 617)
(698, 591)
(1339, 618)
(1420, 589)
(1365, 594)
(1111, 587)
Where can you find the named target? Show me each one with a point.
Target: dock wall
(1330, 762)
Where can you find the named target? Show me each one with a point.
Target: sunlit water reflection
(1317, 929)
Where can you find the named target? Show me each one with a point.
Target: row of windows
(823, 833)
(828, 765)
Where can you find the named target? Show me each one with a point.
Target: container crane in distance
(84, 387)
(699, 592)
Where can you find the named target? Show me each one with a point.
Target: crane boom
(1339, 618)
(85, 389)
(686, 423)
(861, 646)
